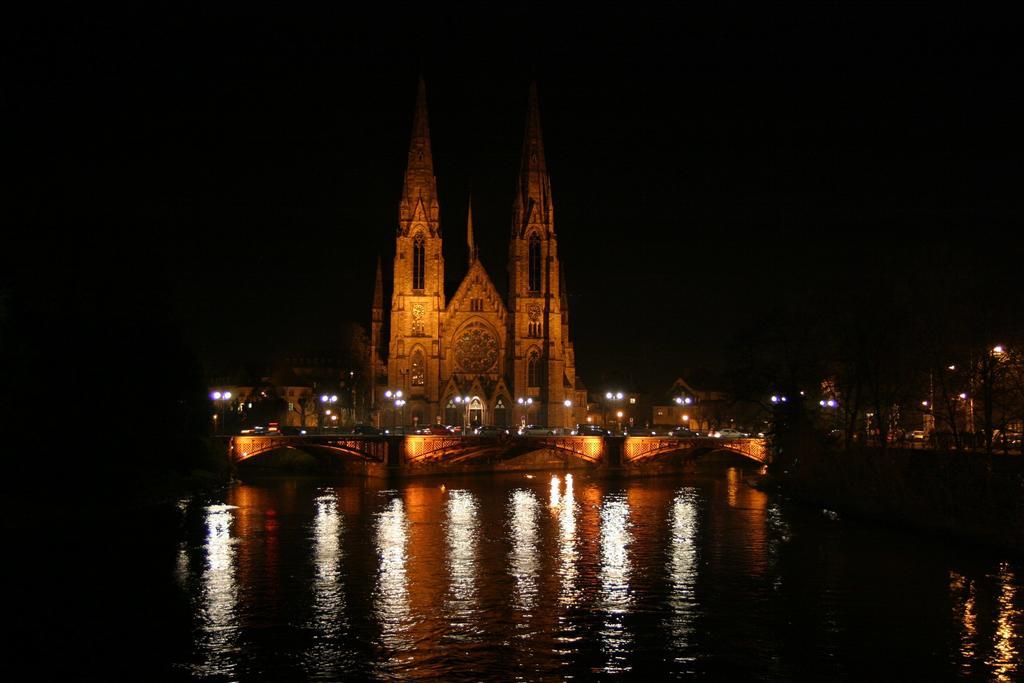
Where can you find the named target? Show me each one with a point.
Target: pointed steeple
(419, 149)
(469, 232)
(419, 193)
(533, 197)
(378, 292)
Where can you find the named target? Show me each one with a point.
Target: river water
(555, 576)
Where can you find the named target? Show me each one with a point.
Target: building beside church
(511, 356)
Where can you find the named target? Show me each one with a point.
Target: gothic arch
(417, 367)
(501, 408)
(419, 259)
(534, 369)
(535, 261)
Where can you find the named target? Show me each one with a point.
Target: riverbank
(967, 496)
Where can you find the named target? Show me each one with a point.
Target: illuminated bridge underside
(640, 449)
(245, 447)
(427, 449)
(454, 449)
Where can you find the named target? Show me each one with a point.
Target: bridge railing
(421, 448)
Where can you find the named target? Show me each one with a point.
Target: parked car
(490, 430)
(637, 430)
(682, 433)
(436, 430)
(589, 430)
(366, 430)
(535, 430)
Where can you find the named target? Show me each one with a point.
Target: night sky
(242, 171)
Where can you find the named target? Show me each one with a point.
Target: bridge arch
(247, 448)
(641, 449)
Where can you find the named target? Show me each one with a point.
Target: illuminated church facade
(511, 357)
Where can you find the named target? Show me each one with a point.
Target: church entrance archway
(476, 412)
(500, 414)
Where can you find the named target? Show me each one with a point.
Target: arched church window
(535, 263)
(418, 373)
(533, 370)
(418, 260)
(418, 311)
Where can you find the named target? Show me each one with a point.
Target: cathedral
(511, 358)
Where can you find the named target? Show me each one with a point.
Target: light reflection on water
(683, 568)
(392, 595)
(523, 561)
(219, 595)
(614, 575)
(1007, 649)
(462, 531)
(568, 554)
(329, 621)
(567, 576)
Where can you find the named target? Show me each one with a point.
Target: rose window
(476, 350)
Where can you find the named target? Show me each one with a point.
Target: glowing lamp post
(526, 403)
(326, 400)
(219, 399)
(395, 396)
(609, 397)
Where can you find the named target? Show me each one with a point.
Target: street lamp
(327, 399)
(526, 403)
(395, 396)
(352, 389)
(219, 399)
(464, 401)
(610, 396)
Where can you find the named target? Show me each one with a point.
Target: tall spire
(533, 197)
(419, 194)
(469, 232)
(378, 291)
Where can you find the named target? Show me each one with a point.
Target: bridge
(441, 450)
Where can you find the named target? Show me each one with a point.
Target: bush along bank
(970, 496)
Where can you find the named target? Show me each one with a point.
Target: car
(682, 433)
(535, 430)
(366, 430)
(589, 430)
(490, 430)
(436, 430)
(637, 430)
(729, 433)
(916, 435)
(395, 431)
